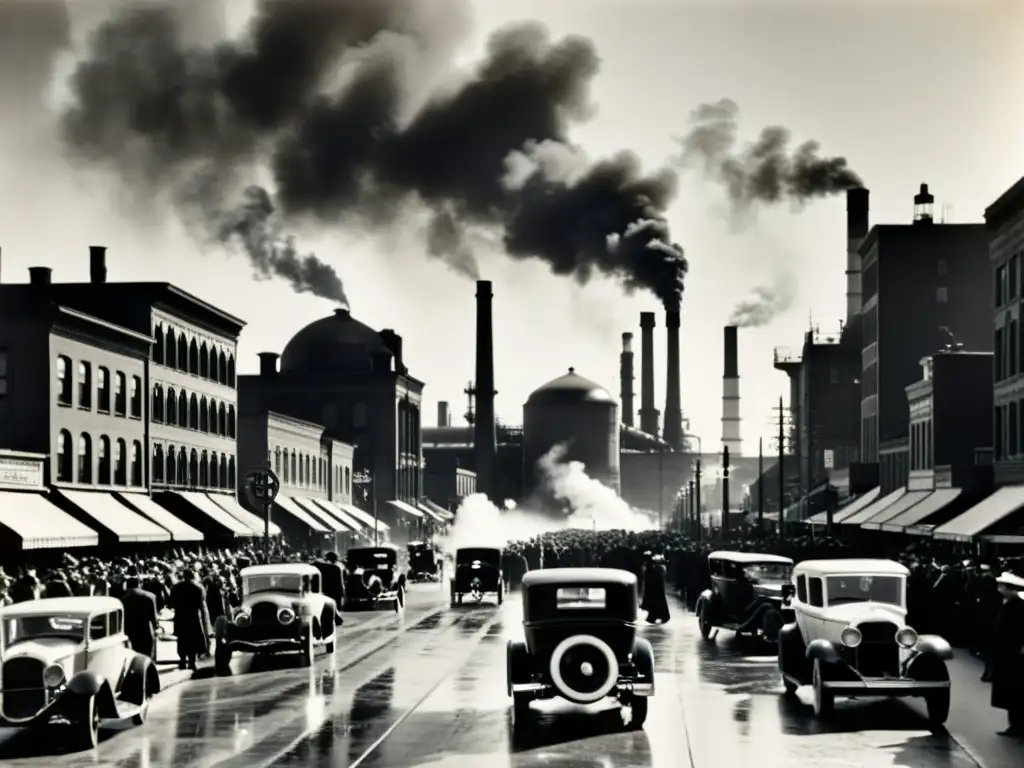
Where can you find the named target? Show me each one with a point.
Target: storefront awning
(179, 530)
(121, 520)
(291, 507)
(429, 513)
(1002, 539)
(849, 509)
(874, 508)
(908, 500)
(364, 517)
(935, 502)
(327, 514)
(983, 515)
(247, 518)
(40, 524)
(438, 510)
(213, 511)
(404, 508)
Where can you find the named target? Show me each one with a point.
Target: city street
(429, 690)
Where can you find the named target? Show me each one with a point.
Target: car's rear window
(571, 598)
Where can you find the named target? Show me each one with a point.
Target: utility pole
(760, 484)
(725, 490)
(782, 469)
(692, 519)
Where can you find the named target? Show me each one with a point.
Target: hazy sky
(909, 92)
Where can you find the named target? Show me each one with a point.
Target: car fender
(791, 649)
(823, 650)
(515, 651)
(702, 599)
(141, 675)
(88, 684)
(934, 646)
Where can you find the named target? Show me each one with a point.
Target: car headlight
(53, 676)
(286, 615)
(906, 637)
(242, 618)
(851, 637)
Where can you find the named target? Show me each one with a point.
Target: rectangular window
(1011, 350)
(84, 386)
(119, 394)
(5, 373)
(997, 357)
(801, 589)
(998, 441)
(941, 266)
(816, 593)
(941, 294)
(103, 389)
(1013, 278)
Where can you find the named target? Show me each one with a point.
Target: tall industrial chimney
(648, 413)
(856, 231)
(97, 264)
(485, 438)
(626, 379)
(444, 418)
(731, 394)
(673, 407)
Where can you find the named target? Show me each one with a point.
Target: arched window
(182, 467)
(295, 468)
(348, 481)
(182, 409)
(231, 371)
(214, 364)
(193, 468)
(204, 415)
(193, 357)
(158, 344)
(172, 466)
(120, 395)
(287, 474)
(222, 420)
(64, 388)
(64, 460)
(182, 353)
(214, 471)
(309, 477)
(223, 470)
(211, 416)
(193, 411)
(172, 406)
(204, 361)
(231, 421)
(231, 473)
(204, 470)
(301, 479)
(136, 463)
(121, 463)
(103, 389)
(277, 459)
(84, 385)
(158, 404)
(103, 465)
(158, 464)
(171, 349)
(222, 367)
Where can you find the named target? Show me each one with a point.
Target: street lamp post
(696, 485)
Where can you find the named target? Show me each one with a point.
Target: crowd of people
(949, 593)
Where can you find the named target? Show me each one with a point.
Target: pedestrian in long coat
(1008, 654)
(191, 620)
(141, 619)
(655, 600)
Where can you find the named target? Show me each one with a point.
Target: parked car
(750, 593)
(477, 573)
(283, 608)
(373, 578)
(581, 643)
(850, 638)
(67, 661)
(425, 561)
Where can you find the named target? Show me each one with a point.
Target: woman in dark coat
(191, 620)
(1007, 659)
(655, 601)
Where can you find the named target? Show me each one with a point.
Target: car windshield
(860, 589)
(35, 627)
(270, 582)
(768, 573)
(372, 559)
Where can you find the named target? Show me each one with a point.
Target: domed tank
(582, 415)
(338, 344)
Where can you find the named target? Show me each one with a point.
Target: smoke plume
(329, 97)
(766, 171)
(764, 304)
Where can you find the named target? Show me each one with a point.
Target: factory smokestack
(673, 382)
(97, 264)
(731, 394)
(856, 231)
(648, 413)
(485, 439)
(626, 379)
(444, 418)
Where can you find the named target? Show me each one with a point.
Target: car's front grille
(878, 631)
(881, 659)
(264, 613)
(22, 685)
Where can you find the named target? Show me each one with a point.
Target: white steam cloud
(589, 503)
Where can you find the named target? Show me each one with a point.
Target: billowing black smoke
(321, 92)
(765, 171)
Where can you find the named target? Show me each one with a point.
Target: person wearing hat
(1007, 654)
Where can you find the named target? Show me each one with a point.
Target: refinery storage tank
(582, 415)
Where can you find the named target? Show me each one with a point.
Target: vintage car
(283, 608)
(581, 643)
(66, 661)
(477, 573)
(373, 578)
(750, 593)
(425, 561)
(850, 638)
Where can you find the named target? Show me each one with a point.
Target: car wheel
(307, 648)
(824, 699)
(139, 718)
(85, 724)
(703, 623)
(501, 594)
(520, 711)
(938, 708)
(638, 711)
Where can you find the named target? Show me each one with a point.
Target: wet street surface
(428, 690)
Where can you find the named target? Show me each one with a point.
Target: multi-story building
(925, 286)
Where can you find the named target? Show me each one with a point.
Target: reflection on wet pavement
(435, 697)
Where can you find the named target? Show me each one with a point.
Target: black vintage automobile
(374, 578)
(581, 643)
(425, 561)
(750, 594)
(477, 573)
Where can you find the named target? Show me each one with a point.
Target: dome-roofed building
(342, 374)
(579, 414)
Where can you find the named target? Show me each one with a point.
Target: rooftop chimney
(924, 206)
(40, 275)
(673, 408)
(97, 264)
(268, 363)
(444, 418)
(626, 379)
(731, 393)
(485, 439)
(394, 342)
(648, 413)
(856, 231)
